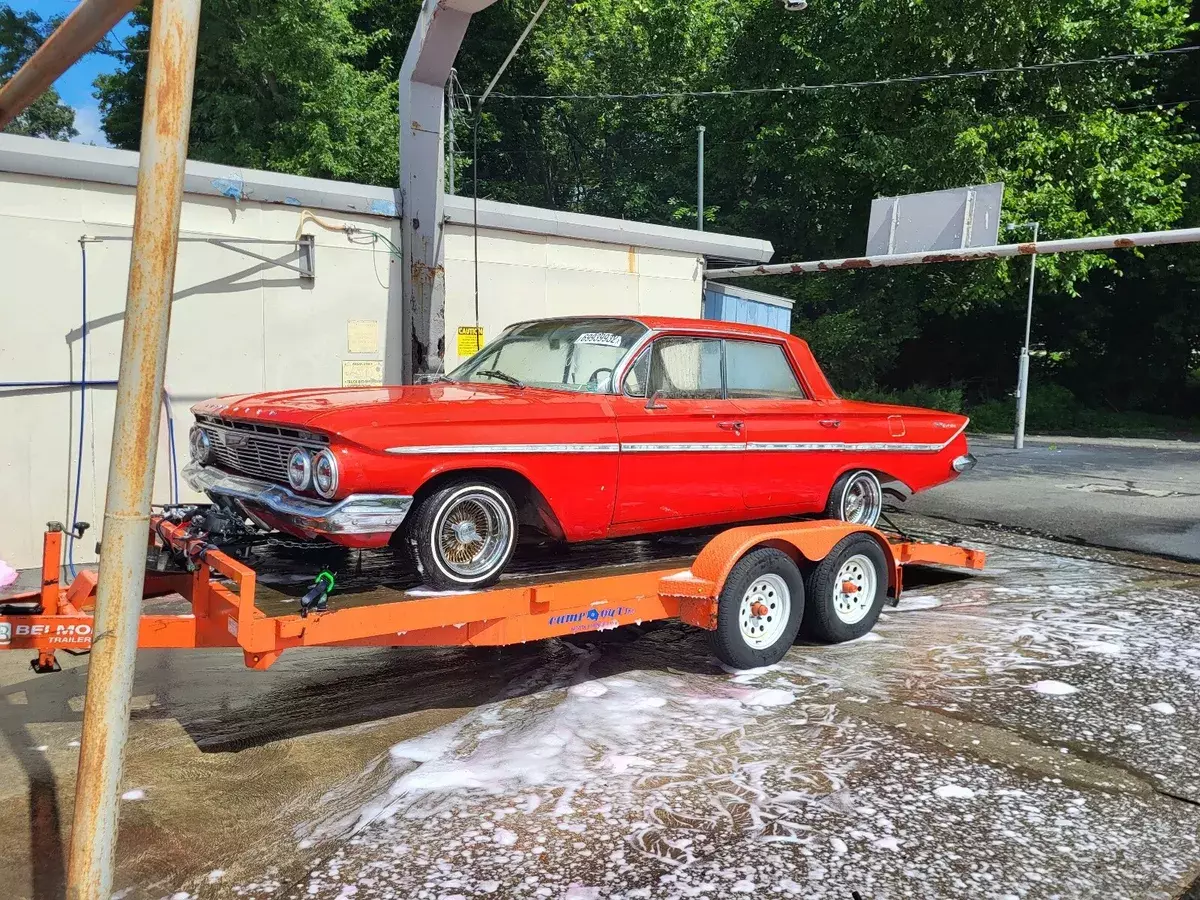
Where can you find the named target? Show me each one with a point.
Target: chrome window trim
(617, 388)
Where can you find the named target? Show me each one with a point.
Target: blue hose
(83, 330)
(83, 384)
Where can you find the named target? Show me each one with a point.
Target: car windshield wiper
(502, 376)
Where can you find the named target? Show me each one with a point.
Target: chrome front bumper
(357, 514)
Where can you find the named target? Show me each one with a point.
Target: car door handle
(830, 423)
(731, 426)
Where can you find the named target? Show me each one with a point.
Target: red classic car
(577, 429)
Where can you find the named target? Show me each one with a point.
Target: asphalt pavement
(1031, 731)
(1125, 494)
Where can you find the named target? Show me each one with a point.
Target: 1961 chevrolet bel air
(577, 429)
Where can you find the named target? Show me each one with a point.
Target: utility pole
(1023, 364)
(450, 130)
(165, 122)
(700, 178)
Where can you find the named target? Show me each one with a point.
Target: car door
(790, 438)
(682, 441)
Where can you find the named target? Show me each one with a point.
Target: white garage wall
(523, 276)
(239, 325)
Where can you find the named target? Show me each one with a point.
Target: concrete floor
(1032, 732)
(1130, 494)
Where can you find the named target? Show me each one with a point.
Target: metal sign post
(700, 178)
(1023, 365)
(165, 122)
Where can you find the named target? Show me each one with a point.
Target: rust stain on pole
(79, 32)
(165, 122)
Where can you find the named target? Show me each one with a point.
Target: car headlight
(325, 474)
(300, 469)
(200, 445)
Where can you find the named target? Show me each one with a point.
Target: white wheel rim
(765, 609)
(862, 501)
(854, 589)
(472, 534)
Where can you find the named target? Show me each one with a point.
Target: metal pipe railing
(166, 118)
(999, 251)
(90, 21)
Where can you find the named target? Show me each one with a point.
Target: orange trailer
(730, 588)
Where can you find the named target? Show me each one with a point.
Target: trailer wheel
(846, 591)
(463, 535)
(856, 497)
(759, 610)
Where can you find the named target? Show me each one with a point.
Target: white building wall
(238, 325)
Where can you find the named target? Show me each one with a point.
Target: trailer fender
(697, 590)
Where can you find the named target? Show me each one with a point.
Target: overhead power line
(812, 88)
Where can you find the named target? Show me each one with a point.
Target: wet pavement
(1031, 732)
(1136, 495)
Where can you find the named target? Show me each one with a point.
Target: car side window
(686, 368)
(759, 370)
(638, 375)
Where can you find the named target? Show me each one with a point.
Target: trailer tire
(834, 615)
(766, 582)
(462, 536)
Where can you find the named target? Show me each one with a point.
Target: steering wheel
(594, 378)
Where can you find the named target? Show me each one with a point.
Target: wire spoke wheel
(473, 534)
(862, 499)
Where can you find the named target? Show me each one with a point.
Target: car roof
(672, 323)
(679, 323)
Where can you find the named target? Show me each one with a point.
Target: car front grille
(255, 449)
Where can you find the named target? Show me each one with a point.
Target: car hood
(340, 410)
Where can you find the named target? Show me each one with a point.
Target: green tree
(20, 36)
(308, 86)
(281, 85)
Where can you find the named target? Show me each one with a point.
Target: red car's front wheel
(463, 535)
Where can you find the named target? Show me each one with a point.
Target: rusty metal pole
(77, 35)
(165, 122)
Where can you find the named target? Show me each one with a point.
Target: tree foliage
(20, 36)
(308, 86)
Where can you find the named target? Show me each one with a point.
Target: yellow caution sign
(470, 341)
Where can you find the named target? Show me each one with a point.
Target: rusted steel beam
(79, 33)
(165, 122)
(926, 257)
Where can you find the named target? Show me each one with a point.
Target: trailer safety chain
(317, 597)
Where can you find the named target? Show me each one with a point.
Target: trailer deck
(253, 603)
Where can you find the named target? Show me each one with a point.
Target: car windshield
(560, 354)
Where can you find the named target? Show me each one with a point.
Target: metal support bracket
(305, 246)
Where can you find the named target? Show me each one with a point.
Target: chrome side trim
(880, 447)
(506, 448)
(356, 514)
(662, 447)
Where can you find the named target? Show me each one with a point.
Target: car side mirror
(654, 401)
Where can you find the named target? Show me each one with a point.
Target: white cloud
(87, 123)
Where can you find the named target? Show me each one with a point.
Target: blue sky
(75, 86)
